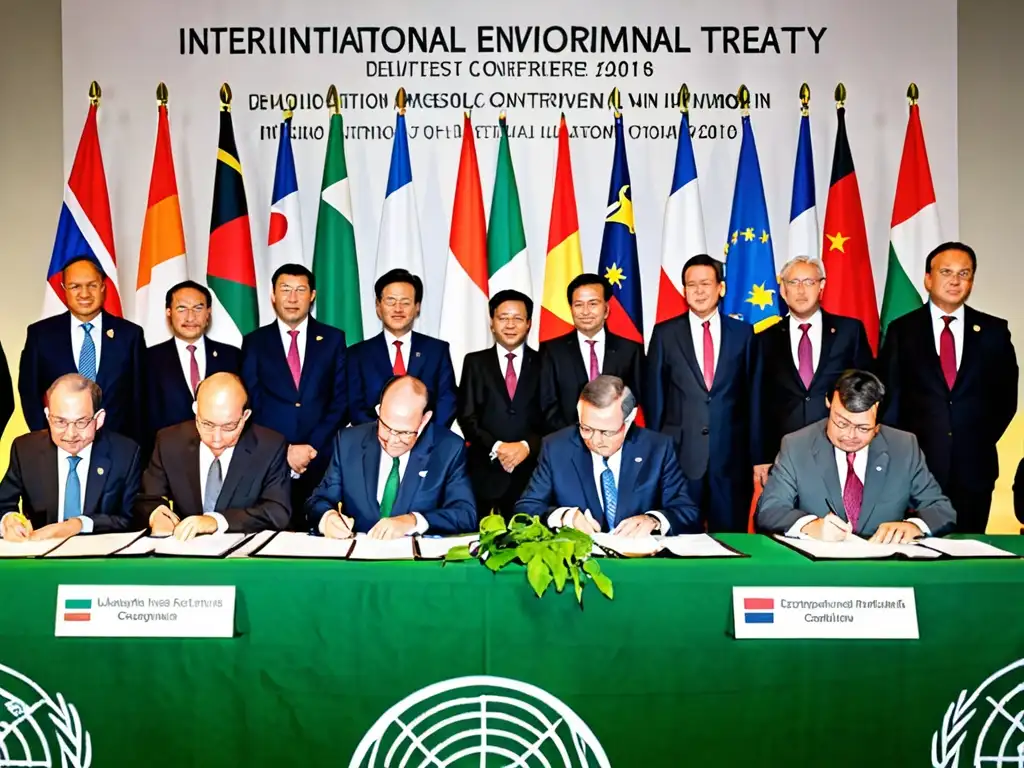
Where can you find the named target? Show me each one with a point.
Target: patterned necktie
(947, 352)
(293, 358)
(87, 357)
(853, 492)
(214, 482)
(804, 357)
(193, 369)
(73, 490)
(510, 376)
(709, 356)
(399, 367)
(387, 499)
(594, 372)
(611, 494)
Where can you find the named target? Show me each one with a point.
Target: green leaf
(529, 550)
(539, 575)
(457, 554)
(498, 560)
(557, 565)
(582, 543)
(574, 571)
(601, 581)
(563, 547)
(492, 524)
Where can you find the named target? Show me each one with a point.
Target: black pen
(833, 512)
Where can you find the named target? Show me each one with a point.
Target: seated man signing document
(847, 475)
(607, 474)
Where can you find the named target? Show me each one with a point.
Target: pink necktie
(947, 352)
(853, 492)
(193, 369)
(510, 376)
(709, 356)
(399, 367)
(594, 371)
(804, 357)
(293, 358)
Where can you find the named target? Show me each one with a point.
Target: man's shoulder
(898, 440)
(446, 440)
(803, 438)
(561, 439)
(31, 441)
(428, 343)
(621, 342)
(558, 343)
(266, 439)
(974, 317)
(322, 331)
(120, 325)
(651, 441)
(364, 346)
(912, 320)
(220, 347)
(117, 444)
(49, 325)
(734, 325)
(164, 350)
(355, 434)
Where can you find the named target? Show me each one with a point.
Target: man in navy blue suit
(396, 476)
(89, 341)
(294, 371)
(607, 474)
(399, 350)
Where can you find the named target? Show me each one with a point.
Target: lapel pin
(637, 459)
(878, 469)
(423, 473)
(977, 328)
(110, 333)
(833, 330)
(215, 353)
(319, 338)
(417, 354)
(99, 470)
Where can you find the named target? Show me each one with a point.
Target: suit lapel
(314, 350)
(786, 353)
(497, 374)
(47, 463)
(828, 335)
(110, 349)
(371, 468)
(584, 464)
(99, 470)
(572, 348)
(825, 460)
(875, 475)
(725, 353)
(629, 470)
(236, 470)
(214, 362)
(278, 355)
(63, 341)
(192, 472)
(527, 374)
(418, 458)
(924, 331)
(415, 359)
(973, 330)
(685, 341)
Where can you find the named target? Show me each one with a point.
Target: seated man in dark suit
(847, 475)
(399, 350)
(216, 473)
(75, 478)
(607, 474)
(396, 476)
(175, 367)
(89, 341)
(499, 407)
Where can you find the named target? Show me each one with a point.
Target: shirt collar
(390, 338)
(614, 461)
(199, 344)
(813, 320)
(83, 454)
(301, 327)
(518, 352)
(97, 323)
(938, 314)
(225, 455)
(598, 337)
(698, 322)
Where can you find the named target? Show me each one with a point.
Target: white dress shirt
(813, 334)
(517, 366)
(599, 337)
(78, 337)
(956, 327)
(697, 332)
(390, 339)
(63, 470)
(206, 458)
(300, 340)
(185, 357)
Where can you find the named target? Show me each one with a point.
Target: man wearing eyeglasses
(801, 357)
(216, 473)
(395, 476)
(77, 477)
(848, 476)
(951, 374)
(607, 474)
(89, 341)
(399, 350)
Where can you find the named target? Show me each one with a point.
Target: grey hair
(78, 383)
(605, 390)
(814, 261)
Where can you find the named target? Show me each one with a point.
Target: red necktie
(510, 376)
(709, 356)
(193, 369)
(947, 352)
(853, 492)
(594, 370)
(293, 358)
(399, 367)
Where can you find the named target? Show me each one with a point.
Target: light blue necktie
(611, 494)
(87, 357)
(73, 490)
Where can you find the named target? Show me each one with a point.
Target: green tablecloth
(323, 648)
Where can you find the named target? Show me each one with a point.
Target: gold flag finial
(805, 99)
(615, 101)
(502, 117)
(289, 108)
(913, 93)
(743, 94)
(161, 95)
(400, 101)
(840, 95)
(684, 99)
(225, 98)
(95, 93)
(333, 102)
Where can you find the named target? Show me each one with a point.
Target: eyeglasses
(405, 436)
(587, 432)
(61, 424)
(947, 274)
(289, 290)
(209, 426)
(844, 426)
(76, 287)
(391, 302)
(511, 319)
(705, 284)
(807, 282)
(591, 305)
(198, 309)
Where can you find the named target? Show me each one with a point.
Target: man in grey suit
(847, 475)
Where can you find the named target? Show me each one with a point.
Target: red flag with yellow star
(850, 284)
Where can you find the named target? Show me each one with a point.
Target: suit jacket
(256, 495)
(435, 482)
(370, 368)
(487, 415)
(47, 355)
(649, 480)
(110, 488)
(712, 430)
(6, 392)
(958, 429)
(786, 405)
(311, 414)
(804, 481)
(563, 374)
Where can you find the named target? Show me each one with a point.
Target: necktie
(853, 492)
(611, 494)
(947, 352)
(193, 369)
(594, 372)
(510, 376)
(73, 490)
(87, 357)
(804, 358)
(399, 367)
(293, 358)
(214, 482)
(387, 499)
(709, 356)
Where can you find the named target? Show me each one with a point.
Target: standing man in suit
(77, 477)
(499, 407)
(219, 473)
(607, 474)
(846, 475)
(399, 350)
(176, 366)
(6, 392)
(801, 357)
(951, 373)
(701, 393)
(294, 371)
(396, 476)
(89, 341)
(570, 361)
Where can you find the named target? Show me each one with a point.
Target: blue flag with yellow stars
(751, 287)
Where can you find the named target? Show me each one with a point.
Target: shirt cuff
(920, 524)
(323, 520)
(222, 523)
(661, 519)
(494, 450)
(422, 526)
(87, 524)
(795, 533)
(295, 475)
(555, 518)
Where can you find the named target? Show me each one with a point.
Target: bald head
(221, 411)
(403, 414)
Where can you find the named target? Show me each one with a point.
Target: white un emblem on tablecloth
(37, 731)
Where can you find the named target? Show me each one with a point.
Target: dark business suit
(713, 431)
(109, 489)
(487, 415)
(958, 430)
(564, 374)
(786, 404)
(649, 480)
(255, 496)
(430, 361)
(435, 483)
(48, 355)
(6, 392)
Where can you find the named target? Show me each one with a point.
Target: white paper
(696, 545)
(627, 546)
(856, 548)
(28, 548)
(254, 543)
(211, 545)
(295, 544)
(436, 549)
(965, 548)
(366, 548)
(94, 544)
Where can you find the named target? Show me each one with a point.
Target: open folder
(684, 545)
(213, 545)
(856, 548)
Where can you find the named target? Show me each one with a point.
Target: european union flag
(751, 287)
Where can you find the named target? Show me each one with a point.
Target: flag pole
(225, 97)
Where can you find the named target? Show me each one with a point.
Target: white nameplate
(144, 611)
(857, 613)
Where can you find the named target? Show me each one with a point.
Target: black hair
(510, 295)
(398, 276)
(952, 245)
(588, 278)
(293, 270)
(703, 260)
(858, 390)
(190, 284)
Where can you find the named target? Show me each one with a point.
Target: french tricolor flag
(803, 215)
(285, 232)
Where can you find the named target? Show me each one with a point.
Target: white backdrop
(876, 47)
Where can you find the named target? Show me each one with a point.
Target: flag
(915, 226)
(84, 227)
(751, 289)
(465, 320)
(398, 245)
(683, 234)
(162, 259)
(565, 257)
(508, 262)
(850, 289)
(619, 264)
(230, 269)
(284, 239)
(803, 213)
(335, 265)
